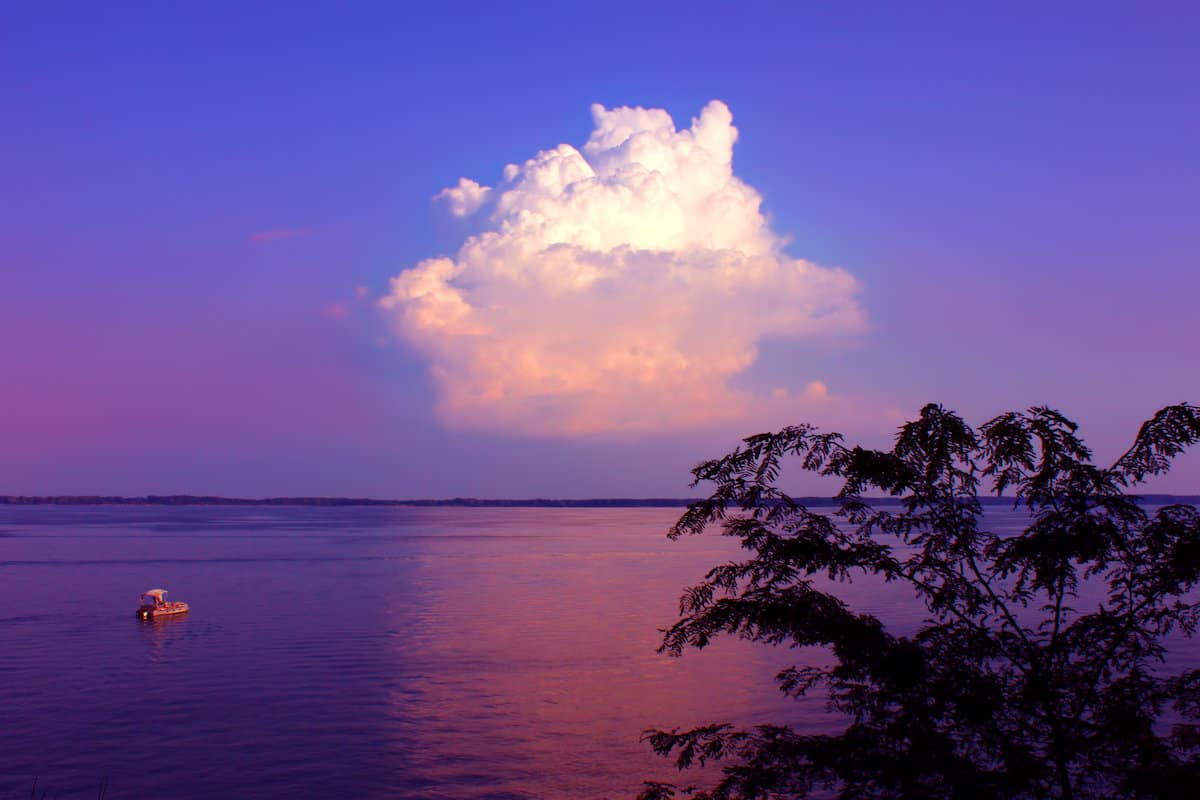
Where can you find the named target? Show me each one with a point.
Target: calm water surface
(363, 652)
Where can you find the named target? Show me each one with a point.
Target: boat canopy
(157, 594)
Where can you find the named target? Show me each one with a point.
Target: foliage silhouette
(1014, 686)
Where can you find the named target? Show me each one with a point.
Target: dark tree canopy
(1013, 687)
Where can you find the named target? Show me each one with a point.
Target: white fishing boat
(154, 604)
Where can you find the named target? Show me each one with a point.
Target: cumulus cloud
(615, 287)
(465, 198)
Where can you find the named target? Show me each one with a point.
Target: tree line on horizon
(595, 502)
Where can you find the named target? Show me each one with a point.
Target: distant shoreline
(469, 502)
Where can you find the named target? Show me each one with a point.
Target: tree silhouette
(1013, 687)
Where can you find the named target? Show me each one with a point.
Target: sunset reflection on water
(365, 652)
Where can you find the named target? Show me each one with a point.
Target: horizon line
(527, 502)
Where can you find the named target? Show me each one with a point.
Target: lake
(364, 652)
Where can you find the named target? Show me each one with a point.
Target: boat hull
(167, 610)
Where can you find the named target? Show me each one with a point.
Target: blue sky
(190, 190)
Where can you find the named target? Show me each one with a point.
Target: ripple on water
(366, 653)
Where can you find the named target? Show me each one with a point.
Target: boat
(154, 605)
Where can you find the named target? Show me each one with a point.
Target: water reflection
(390, 653)
(159, 632)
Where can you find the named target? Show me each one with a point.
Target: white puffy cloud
(616, 287)
(465, 198)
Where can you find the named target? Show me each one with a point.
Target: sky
(568, 250)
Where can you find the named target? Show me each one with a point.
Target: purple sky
(201, 207)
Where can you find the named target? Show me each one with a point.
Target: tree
(1012, 687)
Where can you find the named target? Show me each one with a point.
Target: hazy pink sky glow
(277, 234)
(343, 261)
